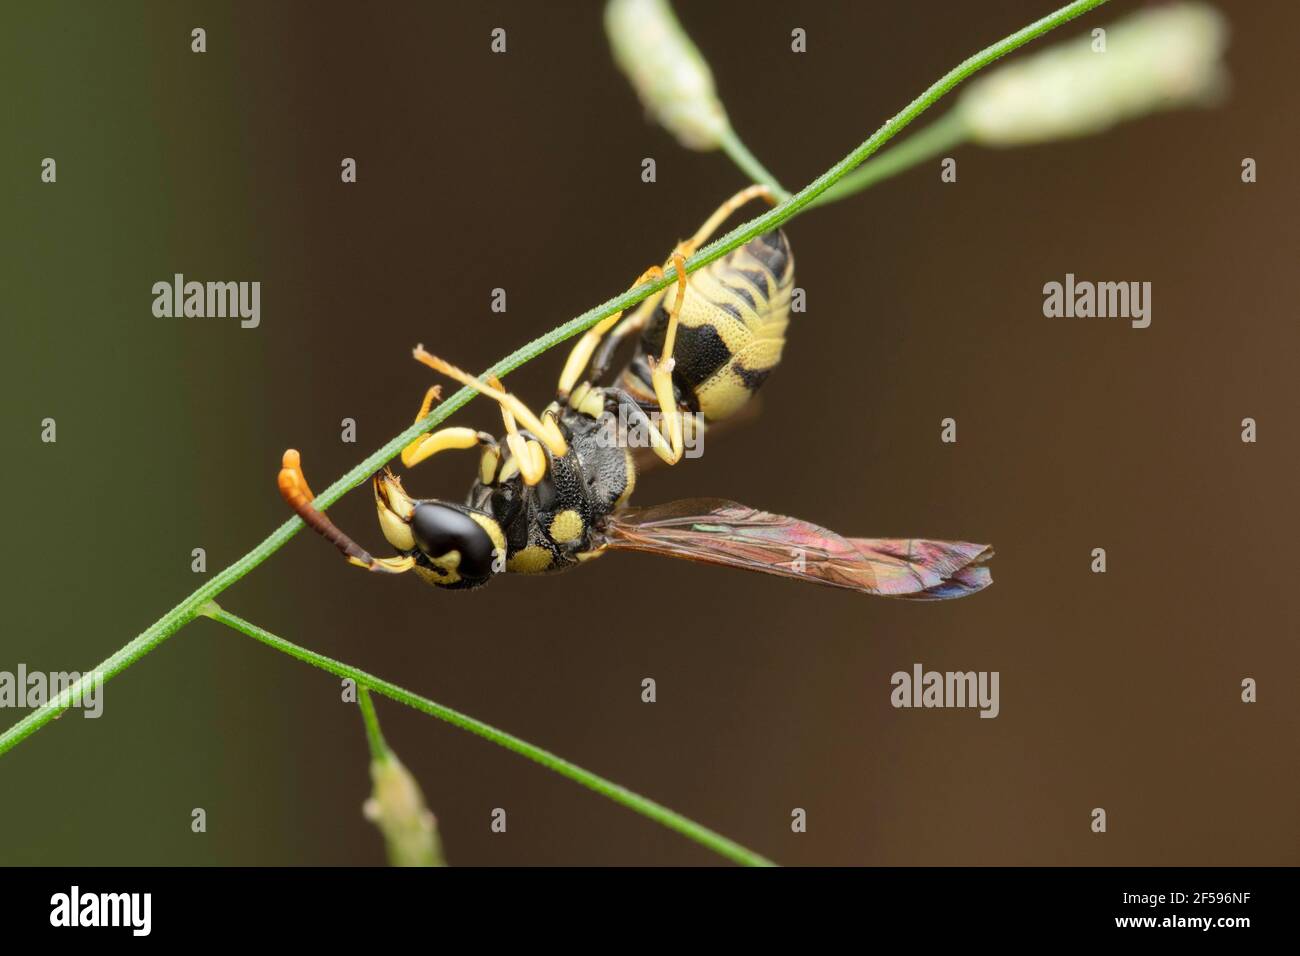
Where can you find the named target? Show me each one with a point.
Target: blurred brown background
(522, 171)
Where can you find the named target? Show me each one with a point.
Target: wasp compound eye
(440, 529)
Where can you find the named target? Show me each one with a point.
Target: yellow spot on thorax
(531, 560)
(566, 527)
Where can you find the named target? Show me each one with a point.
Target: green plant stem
(805, 197)
(374, 736)
(189, 608)
(749, 164)
(937, 138)
(607, 788)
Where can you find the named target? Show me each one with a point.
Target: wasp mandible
(556, 494)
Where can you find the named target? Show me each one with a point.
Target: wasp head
(454, 546)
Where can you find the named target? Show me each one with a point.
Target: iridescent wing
(715, 531)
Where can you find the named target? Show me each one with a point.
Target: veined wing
(716, 531)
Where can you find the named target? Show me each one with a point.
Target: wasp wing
(716, 531)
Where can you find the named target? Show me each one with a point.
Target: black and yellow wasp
(557, 494)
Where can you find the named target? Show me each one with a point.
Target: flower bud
(666, 70)
(397, 807)
(1162, 58)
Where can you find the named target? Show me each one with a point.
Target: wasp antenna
(295, 492)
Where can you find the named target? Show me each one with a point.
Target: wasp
(553, 492)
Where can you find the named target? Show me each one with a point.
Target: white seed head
(667, 71)
(1162, 58)
(397, 807)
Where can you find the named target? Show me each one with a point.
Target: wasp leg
(527, 451)
(688, 246)
(600, 335)
(294, 490)
(445, 438)
(631, 325)
(548, 431)
(669, 447)
(581, 354)
(632, 409)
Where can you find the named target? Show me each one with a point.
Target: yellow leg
(720, 215)
(581, 354)
(631, 325)
(445, 438)
(528, 453)
(669, 447)
(434, 394)
(547, 431)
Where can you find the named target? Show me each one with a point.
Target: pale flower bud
(397, 808)
(666, 70)
(1161, 58)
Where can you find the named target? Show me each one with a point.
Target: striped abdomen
(730, 331)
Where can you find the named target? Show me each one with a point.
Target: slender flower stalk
(944, 134)
(397, 804)
(646, 807)
(749, 164)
